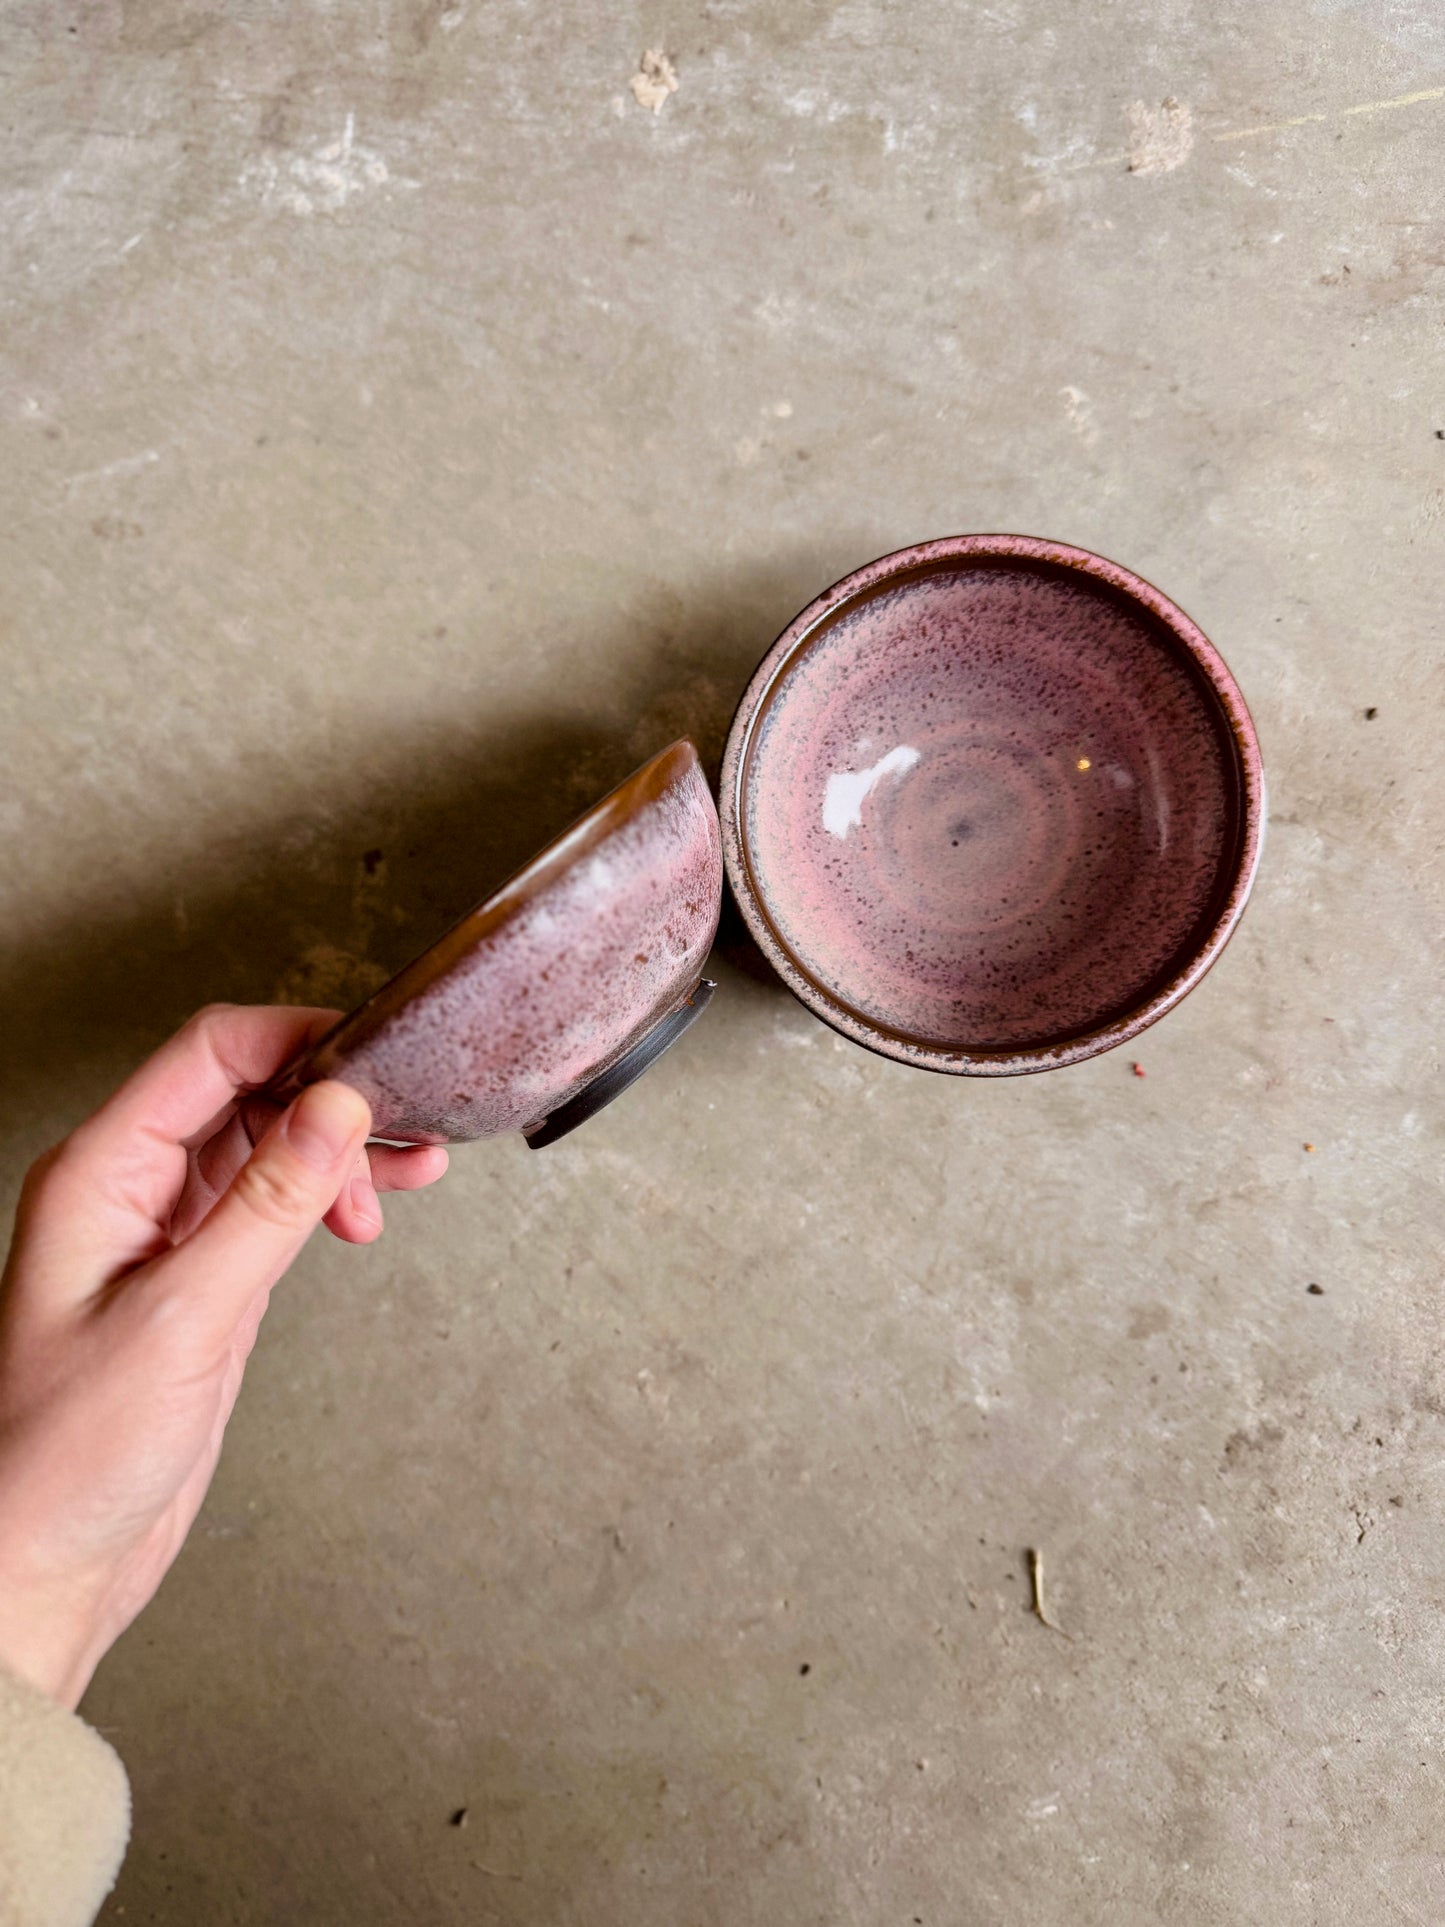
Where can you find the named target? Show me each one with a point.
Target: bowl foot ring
(611, 1083)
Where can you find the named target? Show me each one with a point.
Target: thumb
(274, 1203)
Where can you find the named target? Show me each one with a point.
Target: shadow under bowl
(992, 805)
(558, 991)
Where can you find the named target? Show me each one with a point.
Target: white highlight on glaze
(849, 789)
(323, 181)
(1161, 796)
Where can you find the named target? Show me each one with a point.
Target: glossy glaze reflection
(988, 805)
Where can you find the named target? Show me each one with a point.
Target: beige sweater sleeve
(64, 1812)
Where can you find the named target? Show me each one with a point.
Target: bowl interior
(988, 802)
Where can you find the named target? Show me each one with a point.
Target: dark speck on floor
(1371, 713)
(1315, 1291)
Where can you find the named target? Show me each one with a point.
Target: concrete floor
(406, 431)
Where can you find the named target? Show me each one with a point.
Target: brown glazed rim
(1217, 922)
(535, 877)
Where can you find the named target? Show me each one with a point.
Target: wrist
(48, 1644)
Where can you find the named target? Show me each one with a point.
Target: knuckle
(207, 1016)
(276, 1189)
(40, 1171)
(52, 1181)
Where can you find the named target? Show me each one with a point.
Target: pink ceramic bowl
(552, 996)
(992, 805)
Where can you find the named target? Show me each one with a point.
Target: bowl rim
(1237, 872)
(537, 875)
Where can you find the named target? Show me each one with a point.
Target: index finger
(107, 1194)
(223, 1052)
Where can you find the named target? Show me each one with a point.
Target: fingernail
(325, 1122)
(364, 1201)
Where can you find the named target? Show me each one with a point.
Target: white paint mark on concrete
(112, 471)
(793, 1036)
(777, 311)
(781, 409)
(1080, 411)
(1070, 164)
(1160, 138)
(848, 789)
(807, 102)
(1342, 113)
(323, 181)
(1071, 158)
(1070, 161)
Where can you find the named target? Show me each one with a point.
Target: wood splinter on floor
(1036, 1581)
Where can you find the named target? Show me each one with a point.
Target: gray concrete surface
(405, 431)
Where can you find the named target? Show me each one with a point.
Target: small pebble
(1309, 1147)
(1138, 1070)
(459, 1818)
(1316, 1291)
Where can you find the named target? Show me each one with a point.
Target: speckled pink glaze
(552, 979)
(992, 804)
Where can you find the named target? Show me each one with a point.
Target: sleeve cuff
(64, 1812)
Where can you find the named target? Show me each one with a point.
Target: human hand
(145, 1249)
